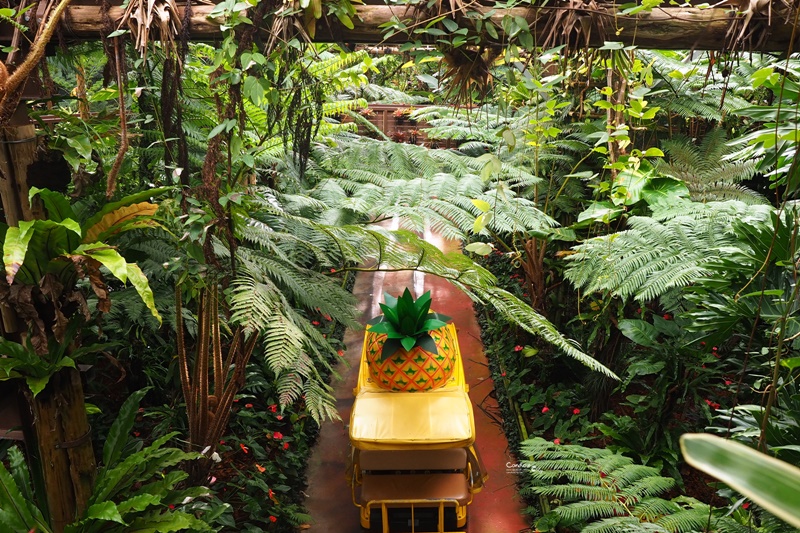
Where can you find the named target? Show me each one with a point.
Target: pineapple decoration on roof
(409, 348)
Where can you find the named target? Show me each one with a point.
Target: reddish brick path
(496, 509)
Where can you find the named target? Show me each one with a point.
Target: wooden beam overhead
(668, 28)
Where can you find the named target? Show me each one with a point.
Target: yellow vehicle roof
(404, 420)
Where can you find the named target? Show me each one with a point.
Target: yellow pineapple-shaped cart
(412, 433)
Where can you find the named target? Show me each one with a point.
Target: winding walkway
(496, 509)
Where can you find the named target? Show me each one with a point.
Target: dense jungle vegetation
(629, 222)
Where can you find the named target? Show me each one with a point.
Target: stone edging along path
(498, 507)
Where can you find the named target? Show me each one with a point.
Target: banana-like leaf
(15, 247)
(118, 433)
(57, 205)
(139, 282)
(106, 256)
(119, 220)
(128, 200)
(16, 512)
(769, 482)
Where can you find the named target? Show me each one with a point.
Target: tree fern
(655, 256)
(706, 169)
(597, 491)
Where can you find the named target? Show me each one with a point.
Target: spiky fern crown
(407, 323)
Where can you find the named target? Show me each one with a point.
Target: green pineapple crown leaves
(407, 323)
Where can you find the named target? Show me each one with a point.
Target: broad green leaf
(17, 513)
(128, 200)
(15, 247)
(600, 212)
(480, 248)
(653, 152)
(663, 189)
(139, 281)
(37, 384)
(141, 501)
(408, 343)
(640, 332)
(483, 205)
(57, 205)
(510, 139)
(769, 482)
(121, 428)
(117, 220)
(791, 363)
(106, 256)
(481, 222)
(104, 511)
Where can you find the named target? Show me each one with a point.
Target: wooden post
(59, 436)
(55, 424)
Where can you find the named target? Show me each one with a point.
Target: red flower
(326, 317)
(545, 409)
(273, 407)
(517, 348)
(603, 474)
(340, 353)
(243, 447)
(248, 406)
(285, 445)
(271, 494)
(746, 505)
(136, 433)
(279, 417)
(315, 322)
(714, 349)
(222, 442)
(556, 441)
(713, 405)
(333, 270)
(260, 468)
(272, 519)
(503, 374)
(576, 411)
(277, 435)
(639, 311)
(667, 316)
(171, 506)
(728, 382)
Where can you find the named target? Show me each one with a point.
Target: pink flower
(272, 519)
(545, 409)
(556, 441)
(279, 417)
(728, 382)
(517, 348)
(212, 480)
(277, 435)
(576, 411)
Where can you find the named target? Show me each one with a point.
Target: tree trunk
(663, 28)
(59, 437)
